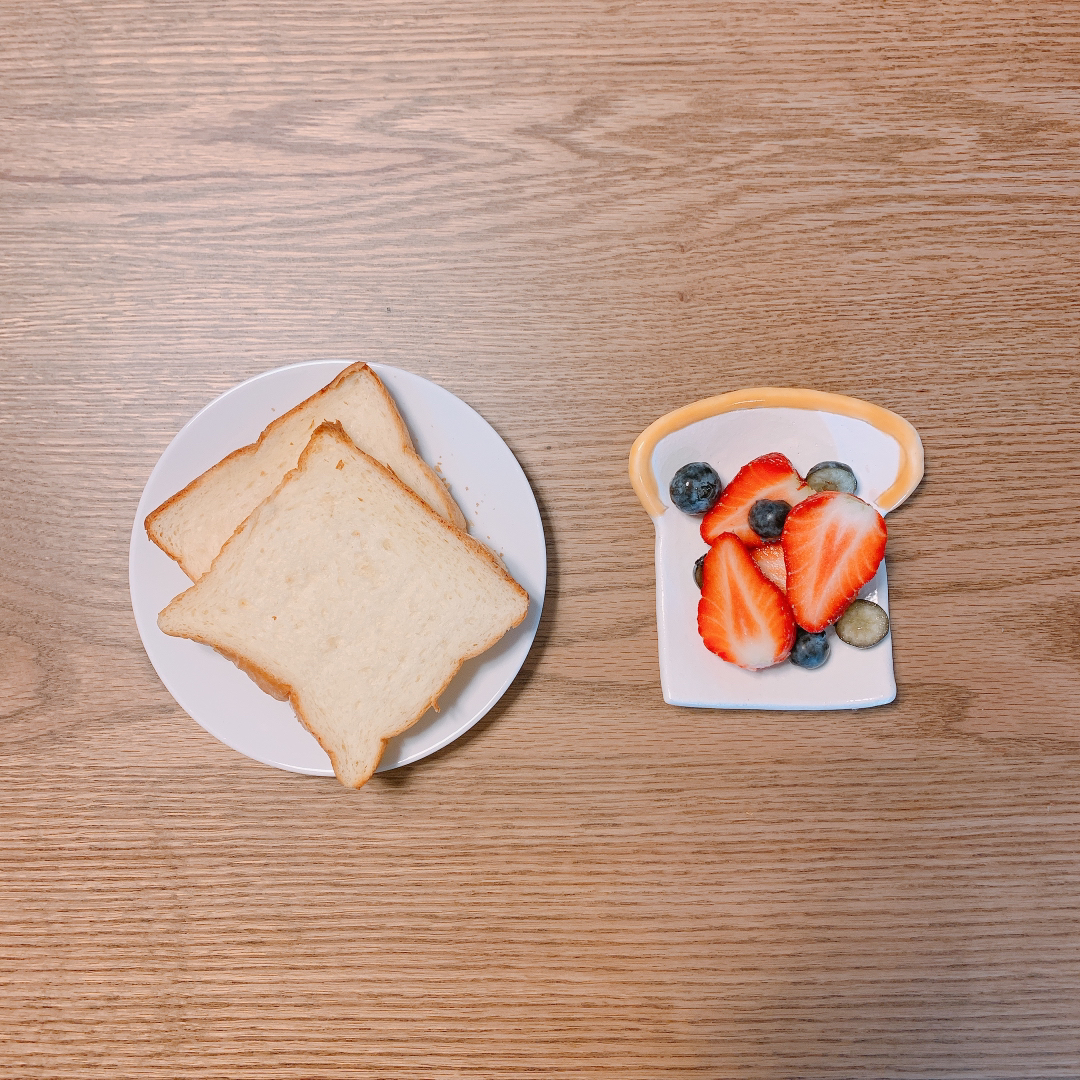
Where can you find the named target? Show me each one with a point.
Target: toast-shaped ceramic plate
(728, 431)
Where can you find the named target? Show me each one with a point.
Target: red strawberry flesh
(833, 544)
(770, 476)
(742, 616)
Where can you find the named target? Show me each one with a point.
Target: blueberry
(809, 650)
(832, 476)
(695, 488)
(863, 624)
(699, 571)
(767, 517)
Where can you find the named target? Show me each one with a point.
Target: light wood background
(576, 216)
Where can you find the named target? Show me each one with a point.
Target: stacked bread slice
(353, 594)
(193, 525)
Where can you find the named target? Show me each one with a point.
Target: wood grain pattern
(576, 217)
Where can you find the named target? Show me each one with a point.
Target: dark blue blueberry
(810, 650)
(767, 517)
(695, 488)
(699, 571)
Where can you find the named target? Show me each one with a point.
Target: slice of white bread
(353, 598)
(193, 525)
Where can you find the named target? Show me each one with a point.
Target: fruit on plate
(833, 544)
(767, 517)
(742, 616)
(770, 561)
(832, 476)
(863, 624)
(771, 477)
(810, 650)
(695, 488)
(785, 562)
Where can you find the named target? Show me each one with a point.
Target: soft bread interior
(351, 593)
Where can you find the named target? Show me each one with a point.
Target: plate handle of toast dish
(909, 469)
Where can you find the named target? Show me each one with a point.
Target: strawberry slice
(770, 561)
(742, 617)
(770, 476)
(833, 544)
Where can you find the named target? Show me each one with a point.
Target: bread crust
(452, 510)
(283, 690)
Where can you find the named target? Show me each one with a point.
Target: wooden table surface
(576, 217)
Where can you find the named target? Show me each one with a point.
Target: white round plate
(485, 479)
